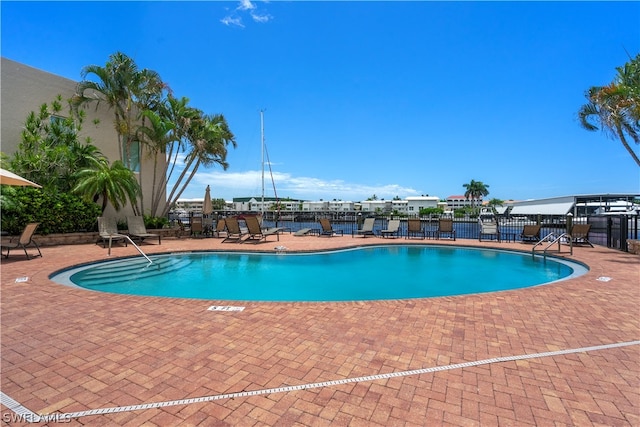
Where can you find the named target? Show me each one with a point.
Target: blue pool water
(367, 273)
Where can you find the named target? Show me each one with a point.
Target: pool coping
(562, 260)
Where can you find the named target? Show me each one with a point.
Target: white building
(382, 206)
(400, 206)
(341, 206)
(318, 206)
(459, 202)
(415, 203)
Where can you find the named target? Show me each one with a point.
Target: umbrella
(10, 178)
(207, 206)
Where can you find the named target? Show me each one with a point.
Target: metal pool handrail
(134, 245)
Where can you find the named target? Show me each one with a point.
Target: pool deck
(560, 354)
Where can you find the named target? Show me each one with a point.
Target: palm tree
(475, 190)
(616, 107)
(116, 184)
(208, 137)
(127, 91)
(158, 135)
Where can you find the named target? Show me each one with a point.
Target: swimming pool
(356, 274)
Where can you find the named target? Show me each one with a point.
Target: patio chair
(221, 227)
(137, 229)
(445, 227)
(234, 232)
(303, 232)
(579, 234)
(393, 229)
(25, 240)
(488, 228)
(414, 228)
(530, 233)
(327, 229)
(197, 229)
(108, 230)
(256, 232)
(207, 226)
(367, 228)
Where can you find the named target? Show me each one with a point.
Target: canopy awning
(559, 208)
(10, 178)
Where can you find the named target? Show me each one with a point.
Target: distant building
(415, 203)
(382, 206)
(460, 202)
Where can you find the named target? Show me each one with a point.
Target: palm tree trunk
(627, 146)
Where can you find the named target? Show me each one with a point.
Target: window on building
(131, 154)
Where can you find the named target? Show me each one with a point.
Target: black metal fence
(611, 231)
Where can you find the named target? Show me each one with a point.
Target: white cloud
(227, 185)
(246, 5)
(260, 17)
(232, 21)
(234, 18)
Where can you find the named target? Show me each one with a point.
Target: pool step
(131, 270)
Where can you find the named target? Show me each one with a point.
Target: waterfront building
(415, 203)
(460, 202)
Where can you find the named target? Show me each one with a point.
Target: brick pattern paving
(70, 350)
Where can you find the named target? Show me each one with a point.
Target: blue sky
(363, 98)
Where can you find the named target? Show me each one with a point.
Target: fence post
(624, 232)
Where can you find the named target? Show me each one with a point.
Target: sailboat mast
(262, 154)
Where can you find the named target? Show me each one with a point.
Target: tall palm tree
(208, 137)
(116, 184)
(475, 190)
(616, 107)
(127, 91)
(157, 133)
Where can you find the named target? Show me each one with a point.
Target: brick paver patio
(170, 362)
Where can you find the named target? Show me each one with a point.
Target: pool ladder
(553, 239)
(134, 245)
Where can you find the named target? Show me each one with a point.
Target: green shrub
(56, 212)
(431, 211)
(155, 222)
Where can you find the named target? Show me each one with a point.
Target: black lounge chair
(221, 227)
(256, 233)
(414, 228)
(234, 232)
(327, 229)
(579, 234)
(445, 227)
(530, 233)
(25, 240)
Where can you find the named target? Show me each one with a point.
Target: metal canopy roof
(560, 208)
(566, 204)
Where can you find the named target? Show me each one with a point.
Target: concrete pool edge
(63, 276)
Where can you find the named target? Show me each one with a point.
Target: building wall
(25, 89)
(414, 204)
